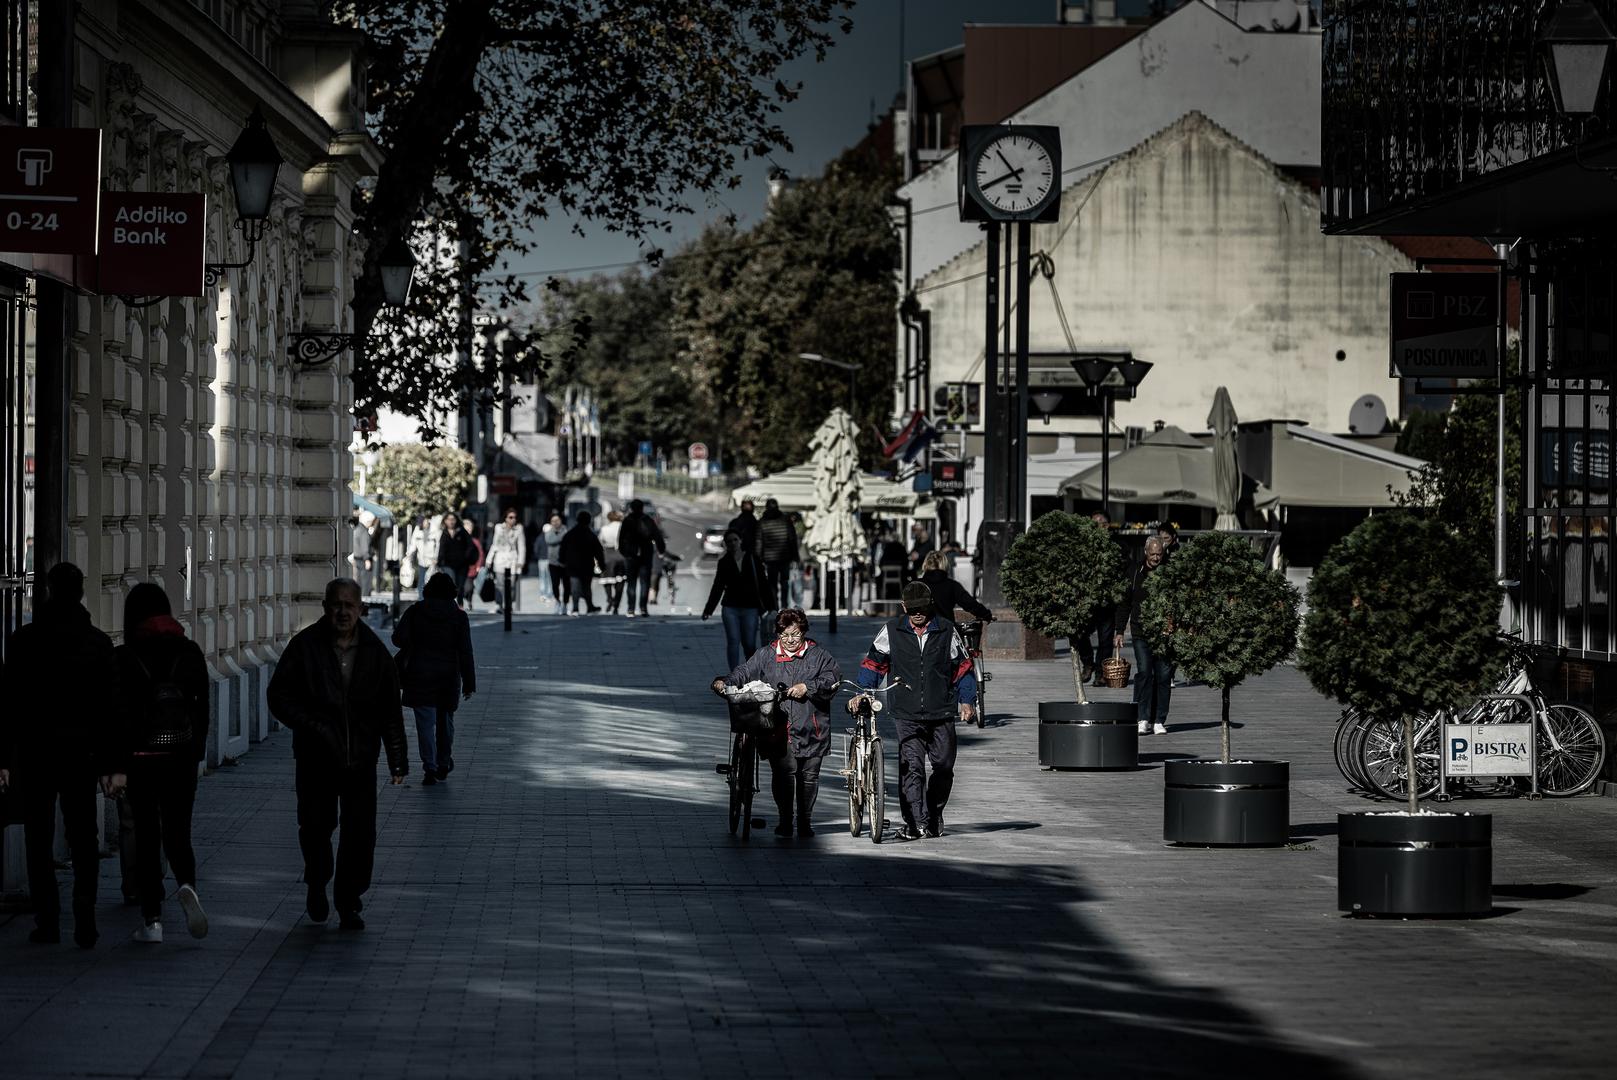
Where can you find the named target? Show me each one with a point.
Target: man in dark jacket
(60, 692)
(457, 554)
(640, 541)
(745, 525)
(581, 553)
(1153, 676)
(436, 669)
(337, 689)
(930, 681)
(777, 547)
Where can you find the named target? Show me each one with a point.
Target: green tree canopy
(1403, 619)
(416, 480)
(1059, 574)
(1220, 614)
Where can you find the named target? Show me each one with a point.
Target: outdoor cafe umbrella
(1226, 472)
(835, 532)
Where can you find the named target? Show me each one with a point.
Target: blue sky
(859, 79)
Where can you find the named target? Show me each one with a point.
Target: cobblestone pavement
(571, 903)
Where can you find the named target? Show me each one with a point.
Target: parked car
(712, 539)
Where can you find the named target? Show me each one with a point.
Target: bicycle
(670, 564)
(752, 712)
(972, 634)
(864, 769)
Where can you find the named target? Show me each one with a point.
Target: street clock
(1009, 172)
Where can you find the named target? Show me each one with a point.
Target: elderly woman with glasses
(811, 677)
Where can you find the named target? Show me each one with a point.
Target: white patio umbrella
(835, 532)
(1226, 471)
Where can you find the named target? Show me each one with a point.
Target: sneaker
(628, 614)
(934, 828)
(446, 768)
(907, 833)
(1143, 728)
(429, 777)
(196, 920)
(351, 920)
(1085, 672)
(1160, 729)
(150, 934)
(804, 829)
(319, 910)
(784, 829)
(442, 773)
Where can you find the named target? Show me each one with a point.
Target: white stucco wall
(1202, 258)
(1264, 88)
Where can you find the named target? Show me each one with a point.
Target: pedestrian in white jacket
(508, 551)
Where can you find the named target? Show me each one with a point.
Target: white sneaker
(150, 934)
(1160, 729)
(196, 920)
(1143, 728)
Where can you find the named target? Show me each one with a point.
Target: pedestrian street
(570, 903)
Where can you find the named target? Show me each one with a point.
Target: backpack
(168, 710)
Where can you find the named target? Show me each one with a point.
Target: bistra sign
(152, 244)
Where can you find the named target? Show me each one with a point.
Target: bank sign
(1445, 326)
(1488, 749)
(152, 244)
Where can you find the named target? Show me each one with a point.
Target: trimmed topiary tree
(1403, 619)
(1220, 614)
(1058, 575)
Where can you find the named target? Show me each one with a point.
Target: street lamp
(397, 271)
(1108, 374)
(851, 369)
(1577, 47)
(1047, 401)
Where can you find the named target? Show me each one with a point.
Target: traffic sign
(152, 244)
(698, 451)
(50, 187)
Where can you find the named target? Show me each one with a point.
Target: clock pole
(1018, 462)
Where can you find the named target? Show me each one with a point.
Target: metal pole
(1106, 451)
(1500, 573)
(1024, 245)
(507, 604)
(830, 578)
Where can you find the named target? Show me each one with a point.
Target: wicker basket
(1115, 670)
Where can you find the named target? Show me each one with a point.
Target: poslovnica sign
(152, 243)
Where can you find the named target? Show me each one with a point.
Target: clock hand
(999, 179)
(1000, 154)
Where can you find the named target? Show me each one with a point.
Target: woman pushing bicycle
(797, 749)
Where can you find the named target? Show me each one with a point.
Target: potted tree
(1221, 615)
(1402, 620)
(1058, 576)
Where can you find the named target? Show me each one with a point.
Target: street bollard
(508, 600)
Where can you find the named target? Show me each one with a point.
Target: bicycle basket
(747, 718)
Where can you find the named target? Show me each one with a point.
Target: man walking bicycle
(337, 689)
(931, 682)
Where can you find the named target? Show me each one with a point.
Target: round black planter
(1428, 864)
(1100, 735)
(1239, 804)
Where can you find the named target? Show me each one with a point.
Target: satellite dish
(1368, 416)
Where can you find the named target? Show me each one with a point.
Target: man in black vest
(930, 682)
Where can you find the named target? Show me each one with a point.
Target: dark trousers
(1153, 685)
(1091, 654)
(328, 794)
(560, 588)
(795, 778)
(918, 743)
(614, 595)
(162, 791)
(779, 574)
(640, 574)
(580, 588)
(41, 787)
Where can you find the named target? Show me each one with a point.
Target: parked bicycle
(753, 712)
(971, 632)
(864, 769)
(1569, 747)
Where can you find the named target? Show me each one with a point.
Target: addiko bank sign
(152, 243)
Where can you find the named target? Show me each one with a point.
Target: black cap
(917, 598)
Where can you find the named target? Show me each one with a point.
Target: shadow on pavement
(1554, 890)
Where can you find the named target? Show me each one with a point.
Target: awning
(793, 488)
(384, 516)
(540, 455)
(1312, 468)
(1168, 466)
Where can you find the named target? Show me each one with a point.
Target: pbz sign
(1488, 749)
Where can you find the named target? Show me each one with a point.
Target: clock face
(1014, 173)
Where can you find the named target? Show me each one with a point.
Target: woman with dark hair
(739, 582)
(164, 683)
(811, 677)
(436, 669)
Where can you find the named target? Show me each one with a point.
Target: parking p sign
(1488, 749)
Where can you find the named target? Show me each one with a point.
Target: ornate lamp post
(1577, 48)
(1109, 374)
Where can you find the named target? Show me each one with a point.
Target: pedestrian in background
(641, 542)
(362, 553)
(456, 555)
(739, 584)
(560, 588)
(61, 691)
(947, 593)
(1153, 676)
(796, 750)
(509, 552)
(616, 565)
(745, 525)
(921, 547)
(422, 553)
(581, 553)
(1105, 629)
(337, 689)
(163, 731)
(795, 573)
(777, 546)
(436, 670)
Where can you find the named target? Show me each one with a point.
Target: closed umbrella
(1226, 472)
(835, 532)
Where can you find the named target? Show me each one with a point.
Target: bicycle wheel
(734, 777)
(876, 789)
(1571, 749)
(982, 697)
(749, 773)
(1355, 754)
(1345, 728)
(1382, 759)
(856, 795)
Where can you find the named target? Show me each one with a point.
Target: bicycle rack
(1533, 718)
